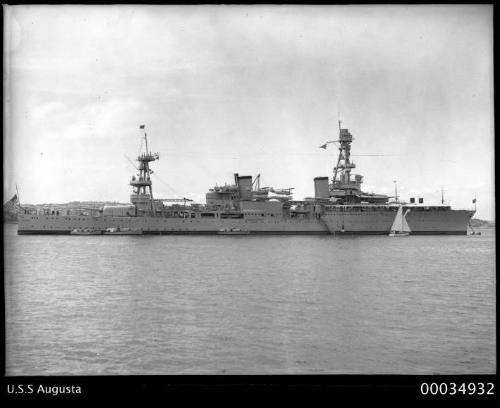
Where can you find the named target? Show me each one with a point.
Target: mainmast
(346, 187)
(344, 163)
(342, 171)
(142, 186)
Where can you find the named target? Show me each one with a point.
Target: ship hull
(162, 225)
(421, 221)
(427, 222)
(373, 222)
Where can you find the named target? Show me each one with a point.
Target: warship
(339, 206)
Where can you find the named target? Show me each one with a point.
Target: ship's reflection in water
(249, 304)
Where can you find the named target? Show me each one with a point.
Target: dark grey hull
(376, 222)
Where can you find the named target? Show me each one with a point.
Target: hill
(477, 223)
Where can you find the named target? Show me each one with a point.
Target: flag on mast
(323, 146)
(474, 201)
(141, 127)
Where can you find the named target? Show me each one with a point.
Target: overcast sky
(248, 89)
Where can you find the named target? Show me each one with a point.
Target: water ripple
(252, 305)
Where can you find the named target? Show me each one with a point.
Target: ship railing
(148, 157)
(359, 207)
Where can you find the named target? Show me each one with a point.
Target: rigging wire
(281, 153)
(168, 186)
(131, 162)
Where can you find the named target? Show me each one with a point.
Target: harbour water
(99, 305)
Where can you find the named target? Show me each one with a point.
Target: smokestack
(321, 187)
(244, 187)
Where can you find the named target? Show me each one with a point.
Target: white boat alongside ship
(122, 231)
(85, 231)
(233, 231)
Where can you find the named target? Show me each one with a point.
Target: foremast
(142, 196)
(343, 185)
(346, 187)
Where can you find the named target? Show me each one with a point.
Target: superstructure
(339, 206)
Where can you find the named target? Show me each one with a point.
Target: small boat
(473, 232)
(233, 231)
(122, 231)
(400, 227)
(85, 231)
